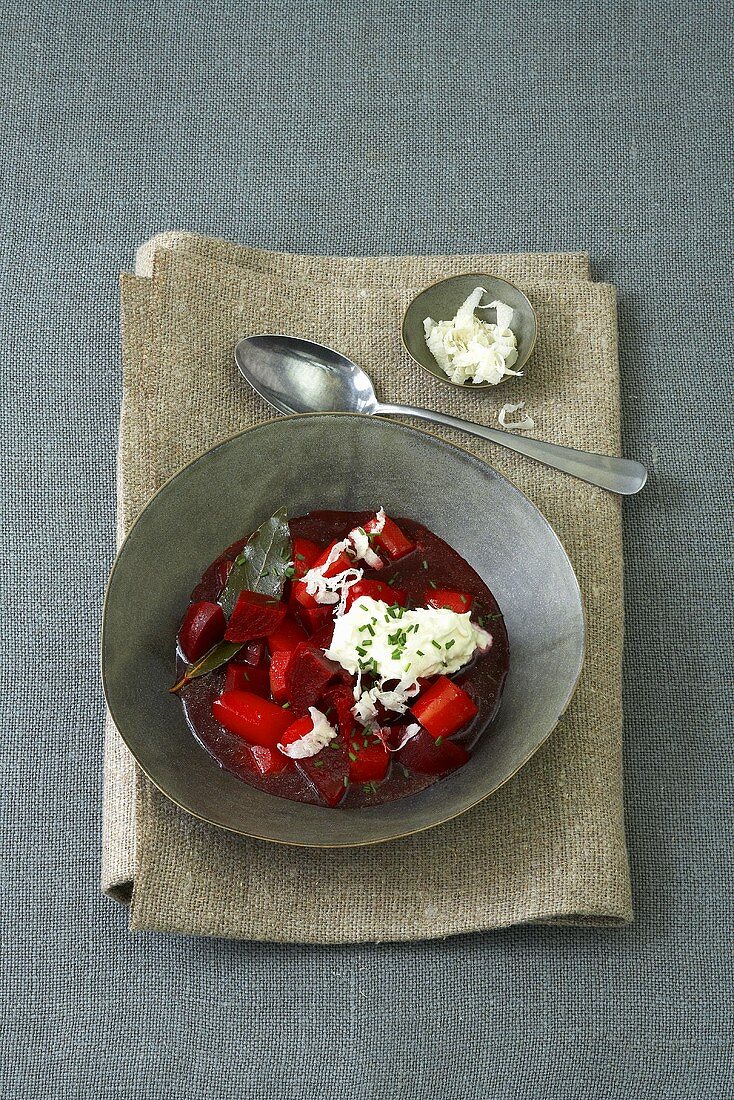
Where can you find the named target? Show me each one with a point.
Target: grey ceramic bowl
(441, 301)
(335, 461)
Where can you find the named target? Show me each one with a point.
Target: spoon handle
(621, 475)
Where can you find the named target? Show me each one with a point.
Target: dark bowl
(441, 300)
(340, 461)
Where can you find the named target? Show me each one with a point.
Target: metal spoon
(299, 376)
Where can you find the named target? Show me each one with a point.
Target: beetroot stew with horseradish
(341, 658)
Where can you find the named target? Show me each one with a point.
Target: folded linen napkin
(549, 846)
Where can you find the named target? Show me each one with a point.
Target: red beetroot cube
(425, 756)
(376, 590)
(305, 554)
(340, 700)
(251, 717)
(444, 708)
(243, 677)
(287, 636)
(367, 763)
(328, 772)
(308, 675)
(391, 539)
(254, 616)
(339, 565)
(202, 627)
(278, 667)
(268, 761)
(450, 599)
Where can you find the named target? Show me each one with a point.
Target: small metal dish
(441, 300)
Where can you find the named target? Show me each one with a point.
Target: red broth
(483, 678)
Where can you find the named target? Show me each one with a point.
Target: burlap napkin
(548, 847)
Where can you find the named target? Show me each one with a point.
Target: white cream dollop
(398, 644)
(314, 741)
(469, 349)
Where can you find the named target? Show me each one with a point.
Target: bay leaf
(217, 656)
(263, 564)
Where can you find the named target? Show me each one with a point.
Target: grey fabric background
(365, 128)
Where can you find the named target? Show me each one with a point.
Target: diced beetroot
(202, 627)
(321, 637)
(317, 617)
(428, 757)
(341, 699)
(223, 569)
(340, 563)
(302, 596)
(308, 675)
(376, 590)
(252, 653)
(460, 602)
(243, 677)
(391, 539)
(367, 764)
(268, 761)
(254, 616)
(296, 731)
(444, 708)
(328, 772)
(251, 717)
(305, 554)
(278, 664)
(287, 636)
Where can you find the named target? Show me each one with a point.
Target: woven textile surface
(550, 846)
(355, 129)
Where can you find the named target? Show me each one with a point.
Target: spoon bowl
(299, 376)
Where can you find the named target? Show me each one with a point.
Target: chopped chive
(438, 741)
(318, 763)
(433, 584)
(420, 652)
(346, 780)
(300, 557)
(435, 643)
(425, 564)
(352, 756)
(464, 599)
(449, 644)
(285, 706)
